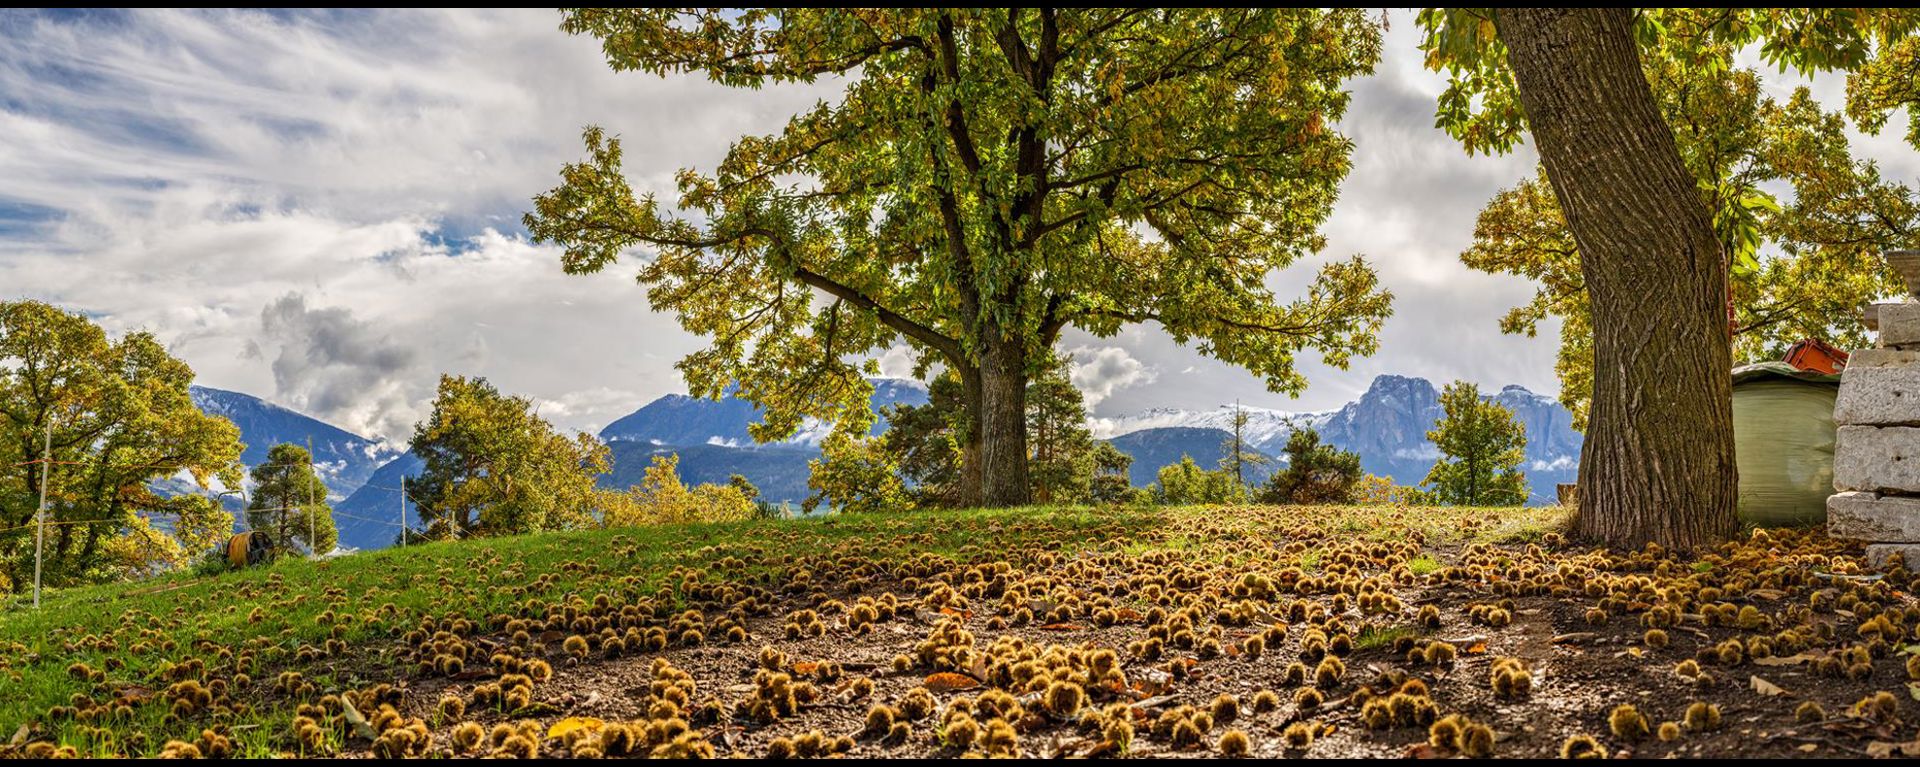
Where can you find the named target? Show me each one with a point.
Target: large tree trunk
(970, 494)
(1657, 465)
(1003, 423)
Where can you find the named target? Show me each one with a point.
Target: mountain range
(1386, 426)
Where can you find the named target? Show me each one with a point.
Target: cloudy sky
(323, 209)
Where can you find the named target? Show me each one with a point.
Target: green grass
(1423, 564)
(1374, 637)
(137, 631)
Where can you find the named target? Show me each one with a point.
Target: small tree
(855, 474)
(495, 467)
(1186, 483)
(1239, 455)
(924, 442)
(1481, 446)
(1315, 473)
(661, 498)
(1060, 464)
(290, 500)
(1110, 483)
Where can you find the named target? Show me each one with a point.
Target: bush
(662, 498)
(856, 474)
(1186, 483)
(1315, 473)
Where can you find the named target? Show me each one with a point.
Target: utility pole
(313, 547)
(403, 510)
(40, 535)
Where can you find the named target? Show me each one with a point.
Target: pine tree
(1061, 462)
(290, 500)
(1238, 454)
(1481, 446)
(1315, 473)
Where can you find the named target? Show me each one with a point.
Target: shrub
(1316, 473)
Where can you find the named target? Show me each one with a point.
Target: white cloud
(183, 171)
(186, 172)
(1098, 372)
(330, 362)
(590, 409)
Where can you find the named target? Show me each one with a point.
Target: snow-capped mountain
(1387, 427)
(344, 460)
(1266, 430)
(678, 419)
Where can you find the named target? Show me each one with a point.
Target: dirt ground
(1582, 665)
(1262, 632)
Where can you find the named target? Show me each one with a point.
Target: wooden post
(40, 534)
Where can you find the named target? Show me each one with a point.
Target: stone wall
(1876, 453)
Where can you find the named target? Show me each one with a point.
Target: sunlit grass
(482, 578)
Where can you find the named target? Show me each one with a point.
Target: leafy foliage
(1316, 473)
(1800, 264)
(1060, 448)
(494, 467)
(856, 474)
(1481, 446)
(661, 498)
(289, 500)
(121, 418)
(1187, 483)
(986, 179)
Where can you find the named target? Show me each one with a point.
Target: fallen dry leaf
(947, 681)
(573, 724)
(1765, 687)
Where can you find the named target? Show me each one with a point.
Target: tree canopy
(289, 500)
(121, 418)
(493, 466)
(1315, 473)
(1481, 447)
(987, 179)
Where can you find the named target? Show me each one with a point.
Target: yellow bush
(661, 498)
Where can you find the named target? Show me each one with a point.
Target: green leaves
(985, 174)
(1800, 220)
(1481, 446)
(121, 417)
(1877, 47)
(493, 466)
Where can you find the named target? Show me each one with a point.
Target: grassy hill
(1046, 627)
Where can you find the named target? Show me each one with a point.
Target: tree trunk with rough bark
(1002, 424)
(1658, 464)
(970, 493)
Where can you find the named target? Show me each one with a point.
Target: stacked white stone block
(1876, 453)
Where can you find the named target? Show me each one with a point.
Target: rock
(1880, 387)
(1899, 325)
(1907, 264)
(1878, 553)
(1877, 459)
(1873, 517)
